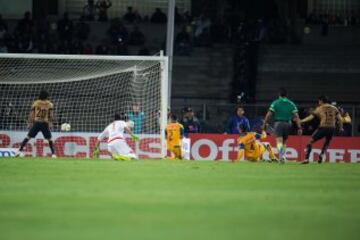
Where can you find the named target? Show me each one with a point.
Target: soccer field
(102, 199)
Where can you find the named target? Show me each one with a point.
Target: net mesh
(86, 93)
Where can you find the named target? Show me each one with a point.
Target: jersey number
(41, 113)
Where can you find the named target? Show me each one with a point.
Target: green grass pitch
(102, 199)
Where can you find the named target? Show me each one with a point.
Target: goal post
(87, 91)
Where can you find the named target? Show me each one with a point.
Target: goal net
(86, 92)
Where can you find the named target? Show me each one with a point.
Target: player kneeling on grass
(252, 149)
(174, 132)
(116, 143)
(40, 120)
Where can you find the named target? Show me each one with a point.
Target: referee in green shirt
(283, 111)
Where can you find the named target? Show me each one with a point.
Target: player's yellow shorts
(256, 154)
(175, 151)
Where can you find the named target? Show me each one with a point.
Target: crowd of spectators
(330, 19)
(69, 36)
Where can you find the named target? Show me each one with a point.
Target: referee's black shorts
(323, 132)
(40, 127)
(282, 129)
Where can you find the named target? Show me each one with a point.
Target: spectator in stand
(26, 24)
(137, 116)
(183, 43)
(190, 122)
(178, 18)
(202, 31)
(137, 38)
(144, 51)
(88, 49)
(347, 123)
(158, 17)
(130, 16)
(103, 6)
(89, 11)
(3, 47)
(3, 23)
(24, 34)
(3, 29)
(118, 32)
(42, 33)
(121, 48)
(187, 18)
(77, 47)
(102, 48)
(82, 30)
(65, 29)
(232, 126)
(3, 32)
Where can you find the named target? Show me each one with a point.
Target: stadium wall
(203, 146)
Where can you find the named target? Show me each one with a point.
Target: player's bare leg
(51, 145)
(23, 144)
(271, 153)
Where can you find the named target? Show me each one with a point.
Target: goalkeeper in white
(116, 143)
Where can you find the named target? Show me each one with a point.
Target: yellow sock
(271, 153)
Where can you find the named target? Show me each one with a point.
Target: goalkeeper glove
(96, 153)
(134, 138)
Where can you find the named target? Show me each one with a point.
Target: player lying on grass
(174, 133)
(250, 148)
(116, 143)
(40, 120)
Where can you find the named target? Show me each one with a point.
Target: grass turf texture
(100, 199)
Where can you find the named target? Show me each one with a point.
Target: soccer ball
(65, 127)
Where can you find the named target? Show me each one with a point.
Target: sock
(24, 142)
(51, 145)
(280, 147)
(308, 151)
(271, 153)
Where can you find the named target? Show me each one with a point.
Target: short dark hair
(43, 95)
(324, 99)
(282, 92)
(243, 127)
(173, 117)
(187, 109)
(120, 116)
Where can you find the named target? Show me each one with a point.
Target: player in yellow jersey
(174, 133)
(250, 148)
(40, 120)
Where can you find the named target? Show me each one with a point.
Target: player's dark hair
(324, 99)
(120, 116)
(282, 92)
(173, 117)
(43, 95)
(243, 127)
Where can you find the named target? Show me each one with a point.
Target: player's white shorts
(120, 147)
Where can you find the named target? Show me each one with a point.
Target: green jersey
(283, 109)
